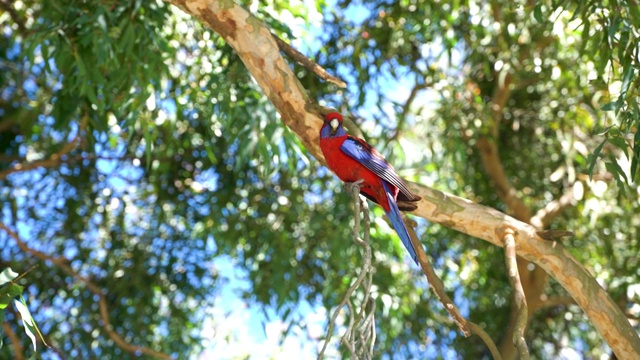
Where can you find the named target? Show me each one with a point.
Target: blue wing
(365, 154)
(396, 219)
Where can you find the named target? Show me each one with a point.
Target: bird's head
(332, 125)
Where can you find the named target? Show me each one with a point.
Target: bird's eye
(334, 123)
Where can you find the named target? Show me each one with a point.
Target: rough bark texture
(259, 52)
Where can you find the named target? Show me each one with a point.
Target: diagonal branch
(518, 294)
(243, 31)
(466, 327)
(301, 59)
(18, 351)
(544, 216)
(479, 331)
(436, 284)
(63, 264)
(52, 161)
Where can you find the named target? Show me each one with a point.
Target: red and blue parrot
(352, 159)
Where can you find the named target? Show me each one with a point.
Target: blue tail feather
(396, 219)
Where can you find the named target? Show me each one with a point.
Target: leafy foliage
(9, 290)
(176, 158)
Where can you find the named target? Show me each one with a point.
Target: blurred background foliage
(134, 144)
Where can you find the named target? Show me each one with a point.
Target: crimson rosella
(352, 159)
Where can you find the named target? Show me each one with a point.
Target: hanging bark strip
(360, 336)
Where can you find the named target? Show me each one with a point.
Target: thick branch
(63, 264)
(242, 31)
(258, 50)
(482, 222)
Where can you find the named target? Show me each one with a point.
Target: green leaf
(537, 13)
(613, 167)
(610, 106)
(7, 275)
(635, 155)
(593, 158)
(148, 143)
(620, 143)
(8, 293)
(627, 77)
(635, 13)
(613, 28)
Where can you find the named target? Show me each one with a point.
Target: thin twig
(554, 234)
(436, 284)
(55, 159)
(518, 294)
(18, 351)
(544, 216)
(556, 301)
(301, 59)
(476, 329)
(466, 327)
(14, 16)
(402, 119)
(63, 264)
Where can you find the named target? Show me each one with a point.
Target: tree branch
(18, 351)
(465, 326)
(476, 329)
(518, 294)
(436, 284)
(63, 264)
(310, 65)
(544, 216)
(243, 31)
(14, 16)
(556, 301)
(52, 161)
(406, 108)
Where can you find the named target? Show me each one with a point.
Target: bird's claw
(351, 186)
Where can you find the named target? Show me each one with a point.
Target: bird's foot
(352, 186)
